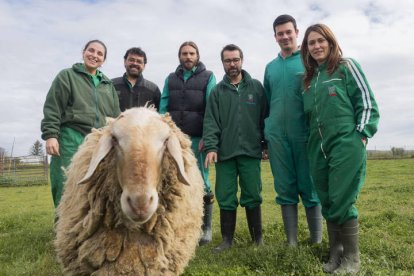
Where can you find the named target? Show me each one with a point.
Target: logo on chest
(331, 91)
(250, 99)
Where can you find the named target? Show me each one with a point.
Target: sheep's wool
(93, 236)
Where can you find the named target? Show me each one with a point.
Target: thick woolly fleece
(93, 236)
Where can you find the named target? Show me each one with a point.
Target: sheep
(133, 200)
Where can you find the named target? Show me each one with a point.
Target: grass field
(386, 207)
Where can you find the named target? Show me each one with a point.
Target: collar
(139, 79)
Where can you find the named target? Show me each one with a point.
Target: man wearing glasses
(233, 138)
(133, 90)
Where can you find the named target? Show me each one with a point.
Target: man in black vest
(184, 96)
(133, 90)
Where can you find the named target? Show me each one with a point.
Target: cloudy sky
(39, 38)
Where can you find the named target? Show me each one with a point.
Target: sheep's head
(139, 138)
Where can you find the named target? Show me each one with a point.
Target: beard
(188, 64)
(133, 71)
(233, 72)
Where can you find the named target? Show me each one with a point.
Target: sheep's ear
(103, 147)
(174, 148)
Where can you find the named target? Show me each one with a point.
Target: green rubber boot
(207, 218)
(290, 222)
(335, 247)
(314, 218)
(350, 263)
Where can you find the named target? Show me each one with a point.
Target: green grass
(386, 241)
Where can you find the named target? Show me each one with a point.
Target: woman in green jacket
(342, 115)
(80, 98)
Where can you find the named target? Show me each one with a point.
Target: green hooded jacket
(234, 119)
(73, 101)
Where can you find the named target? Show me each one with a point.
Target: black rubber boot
(208, 215)
(335, 247)
(350, 263)
(254, 221)
(314, 218)
(228, 226)
(290, 222)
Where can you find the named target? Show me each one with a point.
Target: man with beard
(133, 90)
(233, 139)
(286, 133)
(185, 96)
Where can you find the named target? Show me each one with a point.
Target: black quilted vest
(186, 102)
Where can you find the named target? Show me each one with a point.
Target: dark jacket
(187, 99)
(144, 91)
(234, 120)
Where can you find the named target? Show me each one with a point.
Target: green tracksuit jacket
(233, 127)
(286, 131)
(73, 106)
(341, 110)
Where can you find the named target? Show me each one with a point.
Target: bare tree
(37, 149)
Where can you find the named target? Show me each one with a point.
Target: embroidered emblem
(332, 91)
(250, 99)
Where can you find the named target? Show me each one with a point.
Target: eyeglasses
(133, 60)
(229, 61)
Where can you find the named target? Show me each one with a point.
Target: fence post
(46, 168)
(1, 164)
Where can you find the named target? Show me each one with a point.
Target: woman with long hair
(342, 114)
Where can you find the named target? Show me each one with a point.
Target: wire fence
(24, 171)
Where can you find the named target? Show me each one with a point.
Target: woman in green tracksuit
(79, 99)
(342, 115)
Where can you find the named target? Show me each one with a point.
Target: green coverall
(286, 132)
(69, 141)
(341, 111)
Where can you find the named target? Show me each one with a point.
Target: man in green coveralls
(185, 96)
(287, 134)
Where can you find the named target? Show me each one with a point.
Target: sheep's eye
(114, 141)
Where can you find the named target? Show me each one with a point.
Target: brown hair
(231, 47)
(335, 54)
(95, 41)
(192, 44)
(283, 19)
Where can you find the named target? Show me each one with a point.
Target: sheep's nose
(140, 202)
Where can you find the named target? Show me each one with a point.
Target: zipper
(96, 107)
(317, 117)
(284, 95)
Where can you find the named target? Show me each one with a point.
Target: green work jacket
(74, 101)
